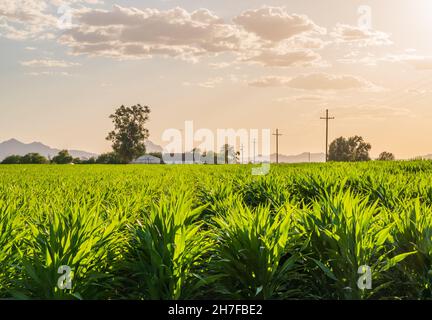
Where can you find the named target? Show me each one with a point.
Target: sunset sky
(223, 64)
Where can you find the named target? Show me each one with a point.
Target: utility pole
(277, 134)
(327, 118)
(242, 153)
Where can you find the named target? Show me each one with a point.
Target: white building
(147, 159)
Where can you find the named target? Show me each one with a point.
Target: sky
(65, 66)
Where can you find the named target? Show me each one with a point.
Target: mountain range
(16, 147)
(426, 157)
(303, 157)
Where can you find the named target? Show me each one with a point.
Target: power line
(277, 134)
(327, 118)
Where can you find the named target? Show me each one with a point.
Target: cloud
(270, 81)
(344, 33)
(325, 81)
(211, 83)
(208, 84)
(276, 24)
(416, 61)
(49, 73)
(306, 42)
(130, 33)
(70, 2)
(269, 36)
(419, 92)
(24, 19)
(303, 98)
(219, 65)
(295, 58)
(134, 33)
(33, 19)
(48, 63)
(317, 81)
(409, 57)
(355, 57)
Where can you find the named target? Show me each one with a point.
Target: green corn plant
(258, 253)
(215, 199)
(167, 250)
(266, 191)
(345, 234)
(309, 187)
(413, 232)
(186, 232)
(11, 235)
(76, 238)
(387, 190)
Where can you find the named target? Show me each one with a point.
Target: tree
(386, 156)
(129, 132)
(157, 155)
(92, 160)
(229, 154)
(63, 157)
(196, 155)
(109, 158)
(33, 158)
(351, 149)
(210, 157)
(13, 159)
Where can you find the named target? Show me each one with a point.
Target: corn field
(216, 232)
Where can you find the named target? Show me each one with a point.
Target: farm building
(147, 159)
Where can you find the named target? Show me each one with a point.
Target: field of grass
(216, 232)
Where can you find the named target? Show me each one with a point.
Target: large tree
(108, 158)
(229, 154)
(63, 157)
(350, 149)
(386, 156)
(13, 159)
(34, 158)
(30, 158)
(129, 132)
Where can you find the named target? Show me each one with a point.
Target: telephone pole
(277, 134)
(327, 118)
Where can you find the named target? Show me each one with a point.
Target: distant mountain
(152, 147)
(303, 157)
(426, 157)
(15, 147)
